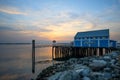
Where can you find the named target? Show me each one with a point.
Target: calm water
(15, 61)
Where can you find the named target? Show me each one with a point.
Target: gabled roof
(94, 33)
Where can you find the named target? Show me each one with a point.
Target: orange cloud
(61, 31)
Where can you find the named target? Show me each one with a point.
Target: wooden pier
(65, 51)
(62, 51)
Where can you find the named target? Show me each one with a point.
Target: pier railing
(54, 45)
(63, 44)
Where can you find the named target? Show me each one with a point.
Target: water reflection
(15, 61)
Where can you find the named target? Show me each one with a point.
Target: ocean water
(16, 61)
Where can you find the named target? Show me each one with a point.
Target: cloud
(5, 28)
(61, 25)
(11, 10)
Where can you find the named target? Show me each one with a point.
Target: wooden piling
(52, 53)
(33, 56)
(64, 53)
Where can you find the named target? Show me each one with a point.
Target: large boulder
(114, 54)
(66, 75)
(107, 75)
(82, 70)
(72, 60)
(101, 75)
(107, 58)
(98, 64)
(55, 77)
(86, 78)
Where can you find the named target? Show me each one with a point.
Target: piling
(33, 56)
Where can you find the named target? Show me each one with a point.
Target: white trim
(98, 43)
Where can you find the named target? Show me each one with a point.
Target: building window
(100, 37)
(103, 37)
(91, 37)
(96, 37)
(106, 37)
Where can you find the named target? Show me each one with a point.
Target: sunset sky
(47, 20)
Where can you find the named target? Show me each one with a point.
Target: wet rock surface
(98, 64)
(105, 67)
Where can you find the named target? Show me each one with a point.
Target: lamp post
(53, 45)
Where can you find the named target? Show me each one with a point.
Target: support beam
(98, 51)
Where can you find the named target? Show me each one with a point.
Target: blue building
(97, 38)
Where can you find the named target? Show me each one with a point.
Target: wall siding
(77, 43)
(104, 43)
(85, 43)
(94, 43)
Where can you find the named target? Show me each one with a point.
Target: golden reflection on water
(44, 53)
(16, 61)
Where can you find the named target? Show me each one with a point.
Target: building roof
(95, 33)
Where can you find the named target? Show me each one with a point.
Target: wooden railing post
(33, 56)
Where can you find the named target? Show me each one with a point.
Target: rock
(88, 68)
(72, 60)
(107, 58)
(55, 77)
(82, 70)
(66, 75)
(86, 78)
(113, 61)
(107, 75)
(70, 75)
(98, 64)
(107, 69)
(96, 76)
(113, 75)
(79, 66)
(114, 54)
(101, 75)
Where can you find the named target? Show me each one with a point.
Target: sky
(60, 20)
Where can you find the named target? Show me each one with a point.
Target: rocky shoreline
(105, 67)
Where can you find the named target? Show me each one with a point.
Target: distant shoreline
(15, 43)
